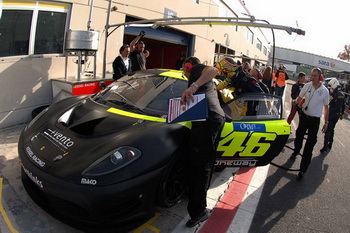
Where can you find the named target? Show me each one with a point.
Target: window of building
(49, 36)
(250, 36)
(265, 51)
(258, 44)
(15, 32)
(32, 27)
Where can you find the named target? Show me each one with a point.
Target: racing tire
(173, 184)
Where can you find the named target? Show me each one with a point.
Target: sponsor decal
(59, 138)
(88, 181)
(249, 127)
(235, 163)
(33, 177)
(31, 155)
(246, 144)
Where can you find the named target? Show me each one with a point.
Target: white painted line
(244, 217)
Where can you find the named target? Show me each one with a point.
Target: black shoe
(202, 217)
(324, 149)
(300, 176)
(293, 157)
(330, 145)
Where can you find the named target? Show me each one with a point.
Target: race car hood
(79, 136)
(91, 119)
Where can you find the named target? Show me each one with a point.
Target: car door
(257, 132)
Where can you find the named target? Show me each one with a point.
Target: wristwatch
(195, 85)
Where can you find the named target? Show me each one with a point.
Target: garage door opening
(162, 54)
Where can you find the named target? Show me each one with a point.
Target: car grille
(107, 213)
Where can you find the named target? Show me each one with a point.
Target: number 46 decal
(246, 144)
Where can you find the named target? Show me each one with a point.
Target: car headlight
(113, 161)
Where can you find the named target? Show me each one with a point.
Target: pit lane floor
(18, 213)
(234, 200)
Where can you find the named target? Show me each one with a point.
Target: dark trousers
(279, 90)
(201, 157)
(311, 125)
(329, 134)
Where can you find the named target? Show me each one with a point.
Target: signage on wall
(327, 64)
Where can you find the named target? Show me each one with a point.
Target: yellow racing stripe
(187, 124)
(174, 74)
(135, 115)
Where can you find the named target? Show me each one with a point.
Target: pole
(90, 15)
(106, 39)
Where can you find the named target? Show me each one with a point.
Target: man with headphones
(203, 139)
(315, 98)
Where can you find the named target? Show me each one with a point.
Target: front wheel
(173, 184)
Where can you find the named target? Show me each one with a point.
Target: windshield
(145, 95)
(254, 107)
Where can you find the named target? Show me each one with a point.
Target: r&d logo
(249, 127)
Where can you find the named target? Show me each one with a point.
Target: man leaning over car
(203, 139)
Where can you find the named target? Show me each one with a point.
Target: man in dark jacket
(296, 88)
(255, 73)
(236, 77)
(122, 64)
(336, 112)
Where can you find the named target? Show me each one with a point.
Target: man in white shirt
(122, 64)
(313, 99)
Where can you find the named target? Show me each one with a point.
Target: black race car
(106, 160)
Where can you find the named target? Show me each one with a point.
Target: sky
(326, 23)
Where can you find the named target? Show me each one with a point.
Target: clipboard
(196, 110)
